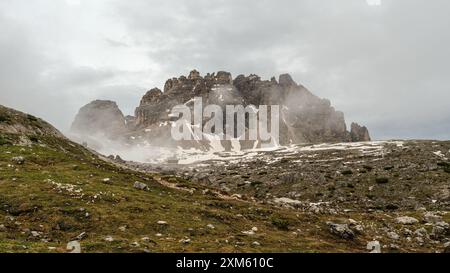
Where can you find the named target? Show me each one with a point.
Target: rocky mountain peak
(304, 117)
(100, 117)
(286, 80)
(151, 96)
(359, 133)
(194, 75)
(223, 77)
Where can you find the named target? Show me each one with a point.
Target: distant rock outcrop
(100, 117)
(359, 133)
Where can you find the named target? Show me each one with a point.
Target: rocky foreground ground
(58, 196)
(394, 192)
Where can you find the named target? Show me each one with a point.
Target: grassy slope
(59, 192)
(30, 201)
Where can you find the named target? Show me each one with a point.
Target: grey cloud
(385, 67)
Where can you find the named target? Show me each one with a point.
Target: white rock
(211, 226)
(19, 160)
(255, 243)
(109, 239)
(123, 228)
(407, 232)
(341, 230)
(394, 246)
(439, 230)
(393, 235)
(74, 247)
(359, 228)
(185, 241)
(374, 247)
(421, 232)
(162, 223)
(249, 232)
(140, 186)
(430, 217)
(443, 225)
(285, 200)
(81, 236)
(406, 220)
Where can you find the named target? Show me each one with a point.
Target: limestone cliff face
(359, 133)
(304, 116)
(100, 117)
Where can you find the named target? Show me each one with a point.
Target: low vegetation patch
(34, 139)
(281, 224)
(59, 195)
(4, 141)
(4, 119)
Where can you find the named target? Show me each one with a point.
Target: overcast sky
(385, 63)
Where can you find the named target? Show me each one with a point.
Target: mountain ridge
(304, 117)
